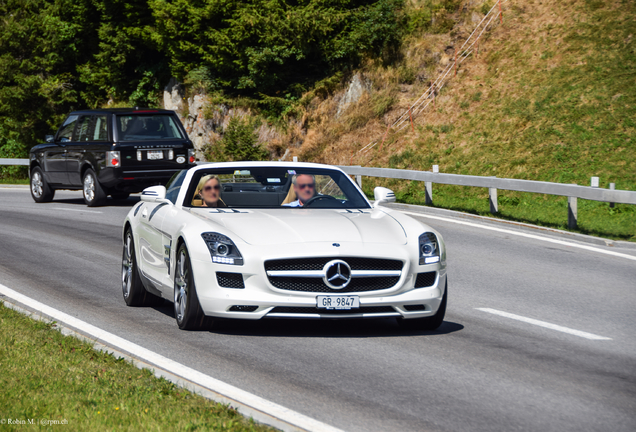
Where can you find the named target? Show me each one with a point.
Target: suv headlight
(429, 249)
(222, 249)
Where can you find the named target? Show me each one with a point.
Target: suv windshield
(273, 187)
(147, 127)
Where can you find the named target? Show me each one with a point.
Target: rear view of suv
(110, 152)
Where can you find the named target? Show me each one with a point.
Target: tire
(40, 189)
(428, 323)
(94, 194)
(187, 309)
(132, 288)
(120, 196)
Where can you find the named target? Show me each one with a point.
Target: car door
(170, 226)
(151, 250)
(76, 149)
(55, 156)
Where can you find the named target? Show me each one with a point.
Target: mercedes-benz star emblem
(337, 274)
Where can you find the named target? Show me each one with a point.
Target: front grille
(230, 280)
(317, 284)
(314, 310)
(298, 264)
(412, 308)
(425, 279)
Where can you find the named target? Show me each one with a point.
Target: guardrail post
(492, 198)
(428, 186)
(359, 180)
(612, 187)
(572, 213)
(594, 182)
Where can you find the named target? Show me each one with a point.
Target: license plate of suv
(337, 302)
(155, 154)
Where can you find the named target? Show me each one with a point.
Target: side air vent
(413, 308)
(425, 279)
(230, 280)
(240, 308)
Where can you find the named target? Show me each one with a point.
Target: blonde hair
(203, 181)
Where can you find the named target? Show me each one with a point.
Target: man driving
(305, 188)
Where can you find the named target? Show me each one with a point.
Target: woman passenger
(209, 189)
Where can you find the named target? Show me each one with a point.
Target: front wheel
(40, 189)
(187, 309)
(132, 288)
(428, 323)
(94, 194)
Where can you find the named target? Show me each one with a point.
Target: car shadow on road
(344, 328)
(362, 328)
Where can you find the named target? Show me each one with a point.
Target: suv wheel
(40, 189)
(94, 194)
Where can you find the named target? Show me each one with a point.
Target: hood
(284, 226)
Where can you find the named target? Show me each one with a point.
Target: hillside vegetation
(551, 96)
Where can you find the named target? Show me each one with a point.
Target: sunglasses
(209, 188)
(306, 185)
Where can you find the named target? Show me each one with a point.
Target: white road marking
(75, 210)
(544, 324)
(522, 234)
(255, 402)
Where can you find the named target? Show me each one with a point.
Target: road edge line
(248, 404)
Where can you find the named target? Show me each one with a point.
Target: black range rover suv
(110, 152)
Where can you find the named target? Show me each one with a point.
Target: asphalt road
(480, 371)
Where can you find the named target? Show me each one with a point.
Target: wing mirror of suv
(154, 194)
(49, 138)
(382, 196)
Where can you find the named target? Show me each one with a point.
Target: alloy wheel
(89, 187)
(127, 267)
(37, 185)
(181, 287)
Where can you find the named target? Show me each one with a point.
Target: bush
(239, 143)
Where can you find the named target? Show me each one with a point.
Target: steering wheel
(318, 198)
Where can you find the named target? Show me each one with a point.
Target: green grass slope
(551, 96)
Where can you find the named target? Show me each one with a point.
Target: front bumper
(270, 302)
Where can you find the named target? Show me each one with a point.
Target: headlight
(429, 249)
(222, 249)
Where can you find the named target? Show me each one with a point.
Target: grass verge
(45, 375)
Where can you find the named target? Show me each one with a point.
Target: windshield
(147, 127)
(273, 187)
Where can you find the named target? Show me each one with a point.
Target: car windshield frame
(267, 187)
(139, 130)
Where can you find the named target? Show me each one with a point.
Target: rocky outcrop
(204, 122)
(358, 86)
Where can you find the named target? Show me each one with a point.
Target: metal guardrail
(22, 162)
(573, 192)
(493, 184)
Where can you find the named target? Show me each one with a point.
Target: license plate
(337, 302)
(155, 154)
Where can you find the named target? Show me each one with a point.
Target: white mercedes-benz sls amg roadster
(253, 240)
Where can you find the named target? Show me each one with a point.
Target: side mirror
(50, 138)
(383, 195)
(154, 194)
